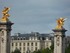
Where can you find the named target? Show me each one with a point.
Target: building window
(21, 38)
(47, 44)
(20, 44)
(35, 48)
(23, 48)
(15, 47)
(12, 44)
(23, 44)
(35, 44)
(16, 44)
(18, 38)
(31, 44)
(27, 48)
(31, 48)
(27, 44)
(20, 48)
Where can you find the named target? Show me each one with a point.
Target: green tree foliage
(67, 49)
(16, 51)
(52, 47)
(47, 50)
(38, 51)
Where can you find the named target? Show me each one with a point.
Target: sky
(36, 15)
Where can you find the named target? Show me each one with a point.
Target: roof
(32, 34)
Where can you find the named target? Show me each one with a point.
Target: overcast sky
(37, 15)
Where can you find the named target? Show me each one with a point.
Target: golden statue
(60, 23)
(5, 14)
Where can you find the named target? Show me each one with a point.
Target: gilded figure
(5, 14)
(60, 23)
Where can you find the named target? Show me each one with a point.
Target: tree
(47, 50)
(38, 51)
(52, 47)
(16, 51)
(67, 49)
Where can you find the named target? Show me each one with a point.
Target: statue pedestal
(59, 40)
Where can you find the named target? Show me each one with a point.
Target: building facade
(30, 42)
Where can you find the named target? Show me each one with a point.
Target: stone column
(5, 26)
(59, 40)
